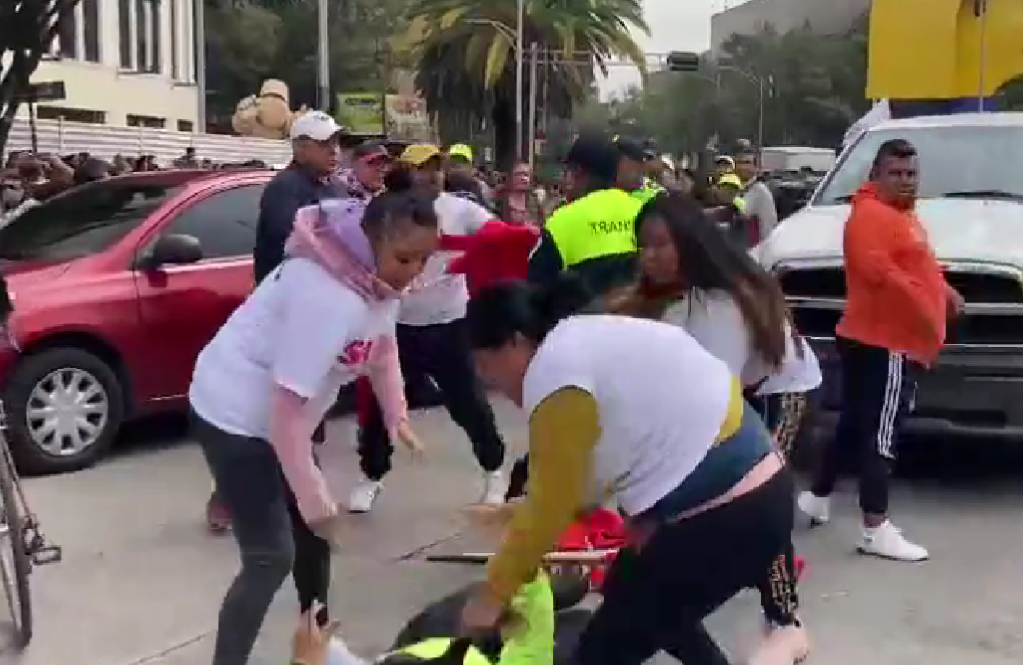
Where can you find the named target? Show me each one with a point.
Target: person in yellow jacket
(591, 235)
(527, 639)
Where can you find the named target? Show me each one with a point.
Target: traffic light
(683, 61)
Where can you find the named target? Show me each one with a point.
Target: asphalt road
(141, 579)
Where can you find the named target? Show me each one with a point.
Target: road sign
(48, 91)
(682, 61)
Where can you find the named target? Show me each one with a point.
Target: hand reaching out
(310, 643)
(408, 438)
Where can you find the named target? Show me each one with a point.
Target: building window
(186, 126)
(142, 41)
(146, 121)
(124, 23)
(71, 115)
(155, 36)
(90, 30)
(66, 34)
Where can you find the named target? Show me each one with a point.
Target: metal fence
(63, 137)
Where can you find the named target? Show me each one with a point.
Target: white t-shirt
(716, 322)
(300, 329)
(661, 400)
(435, 295)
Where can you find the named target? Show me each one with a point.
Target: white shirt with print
(661, 400)
(437, 296)
(716, 322)
(300, 329)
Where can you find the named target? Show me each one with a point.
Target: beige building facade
(754, 15)
(125, 63)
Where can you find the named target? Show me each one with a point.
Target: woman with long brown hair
(692, 276)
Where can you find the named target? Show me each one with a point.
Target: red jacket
(497, 252)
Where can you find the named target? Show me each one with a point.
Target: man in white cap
(307, 180)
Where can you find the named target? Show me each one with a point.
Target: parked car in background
(117, 285)
(971, 204)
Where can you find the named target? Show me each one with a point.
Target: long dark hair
(502, 311)
(708, 261)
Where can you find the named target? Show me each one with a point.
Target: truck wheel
(64, 407)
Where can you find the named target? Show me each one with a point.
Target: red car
(117, 285)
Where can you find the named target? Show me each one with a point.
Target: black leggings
(657, 598)
(272, 537)
(441, 353)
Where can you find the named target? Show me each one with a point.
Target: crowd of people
(655, 357)
(29, 178)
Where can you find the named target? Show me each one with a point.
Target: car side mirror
(174, 249)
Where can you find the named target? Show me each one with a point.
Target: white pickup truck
(971, 203)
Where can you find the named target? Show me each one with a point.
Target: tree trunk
(503, 117)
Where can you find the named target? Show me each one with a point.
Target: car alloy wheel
(67, 412)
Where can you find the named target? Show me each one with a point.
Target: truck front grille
(994, 302)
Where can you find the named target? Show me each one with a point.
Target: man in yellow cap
(460, 162)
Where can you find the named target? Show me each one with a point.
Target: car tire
(30, 372)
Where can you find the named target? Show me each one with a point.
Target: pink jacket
(330, 234)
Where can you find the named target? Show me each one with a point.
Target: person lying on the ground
(541, 627)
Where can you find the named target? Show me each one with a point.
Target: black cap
(631, 148)
(370, 149)
(595, 155)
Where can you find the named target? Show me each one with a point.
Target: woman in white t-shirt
(431, 341)
(637, 412)
(691, 276)
(265, 381)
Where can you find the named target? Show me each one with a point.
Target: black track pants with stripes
(877, 391)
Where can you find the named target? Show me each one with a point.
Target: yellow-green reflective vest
(597, 225)
(649, 190)
(435, 647)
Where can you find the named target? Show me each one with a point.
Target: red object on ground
(605, 529)
(598, 530)
(497, 252)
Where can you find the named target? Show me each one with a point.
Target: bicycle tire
(21, 608)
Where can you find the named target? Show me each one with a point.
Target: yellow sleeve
(563, 431)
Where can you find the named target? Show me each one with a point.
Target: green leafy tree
(465, 57)
(249, 42)
(813, 91)
(27, 28)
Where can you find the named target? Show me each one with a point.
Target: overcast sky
(676, 25)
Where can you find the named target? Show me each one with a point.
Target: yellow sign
(361, 112)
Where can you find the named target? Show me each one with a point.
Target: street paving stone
(141, 579)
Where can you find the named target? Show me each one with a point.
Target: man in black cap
(593, 234)
(633, 163)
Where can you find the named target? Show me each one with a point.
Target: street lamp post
(520, 20)
(322, 56)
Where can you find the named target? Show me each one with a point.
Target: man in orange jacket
(894, 322)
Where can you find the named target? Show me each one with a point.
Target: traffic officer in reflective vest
(593, 233)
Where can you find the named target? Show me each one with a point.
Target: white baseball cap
(315, 125)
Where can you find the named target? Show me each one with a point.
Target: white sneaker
(364, 495)
(888, 542)
(493, 488)
(817, 508)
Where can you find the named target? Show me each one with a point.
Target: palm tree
(465, 55)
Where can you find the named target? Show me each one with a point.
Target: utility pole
(322, 57)
(533, 81)
(981, 10)
(199, 25)
(519, 56)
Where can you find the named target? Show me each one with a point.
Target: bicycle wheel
(14, 562)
